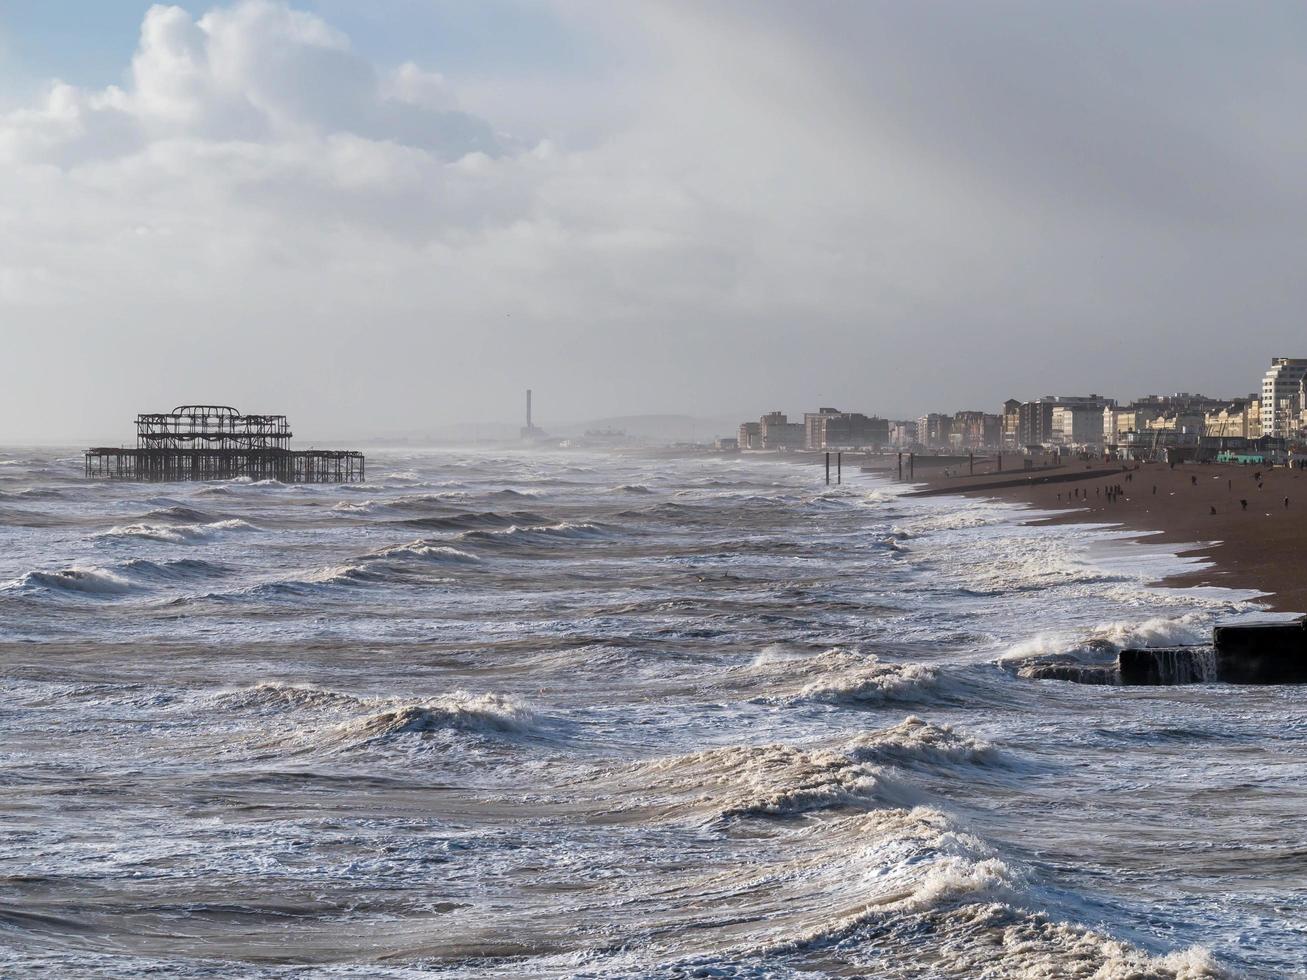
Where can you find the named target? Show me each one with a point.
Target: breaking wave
(472, 520)
(90, 580)
(275, 697)
(458, 711)
(914, 743)
(1090, 657)
(176, 533)
(517, 536)
(839, 676)
(130, 576)
(181, 514)
(427, 552)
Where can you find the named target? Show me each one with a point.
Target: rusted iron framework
(211, 427)
(216, 442)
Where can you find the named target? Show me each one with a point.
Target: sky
(389, 217)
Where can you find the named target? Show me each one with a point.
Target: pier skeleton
(216, 442)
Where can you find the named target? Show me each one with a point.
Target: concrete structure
(529, 432)
(976, 430)
(1180, 411)
(1242, 653)
(1187, 420)
(778, 432)
(1242, 418)
(1282, 396)
(903, 433)
(829, 428)
(1077, 425)
(933, 430)
(1011, 435)
(750, 436)
(1035, 418)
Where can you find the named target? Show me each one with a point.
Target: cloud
(892, 207)
(256, 72)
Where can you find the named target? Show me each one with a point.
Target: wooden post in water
(971, 463)
(828, 469)
(839, 468)
(900, 465)
(912, 459)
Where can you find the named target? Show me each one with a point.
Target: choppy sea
(510, 714)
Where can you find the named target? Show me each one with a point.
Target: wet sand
(1262, 547)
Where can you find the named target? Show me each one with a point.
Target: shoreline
(1261, 549)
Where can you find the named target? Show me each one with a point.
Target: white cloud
(743, 206)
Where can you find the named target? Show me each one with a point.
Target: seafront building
(975, 430)
(772, 431)
(829, 428)
(1147, 427)
(1011, 425)
(1077, 425)
(1035, 418)
(1242, 418)
(1282, 397)
(933, 430)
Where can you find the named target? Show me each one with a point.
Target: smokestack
(528, 410)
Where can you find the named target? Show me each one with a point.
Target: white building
(1282, 396)
(1078, 425)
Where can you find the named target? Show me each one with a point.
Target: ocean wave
(88, 580)
(126, 577)
(458, 711)
(915, 743)
(1101, 644)
(519, 536)
(274, 697)
(839, 676)
(426, 551)
(176, 533)
(982, 927)
(474, 520)
(181, 514)
(784, 781)
(404, 504)
(33, 493)
(172, 571)
(738, 782)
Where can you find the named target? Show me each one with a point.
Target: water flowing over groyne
(216, 442)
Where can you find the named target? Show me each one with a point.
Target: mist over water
(585, 715)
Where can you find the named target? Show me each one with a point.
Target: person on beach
(1286, 503)
(1243, 504)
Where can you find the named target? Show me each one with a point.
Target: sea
(570, 714)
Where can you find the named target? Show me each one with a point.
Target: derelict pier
(216, 442)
